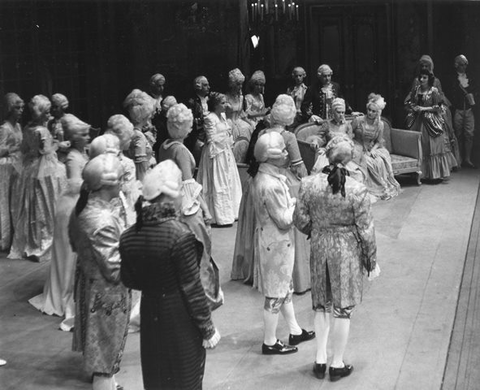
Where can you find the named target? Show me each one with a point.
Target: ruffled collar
(159, 212)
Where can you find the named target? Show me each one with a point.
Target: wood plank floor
(461, 372)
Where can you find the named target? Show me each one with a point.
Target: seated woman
(218, 172)
(337, 126)
(370, 153)
(425, 111)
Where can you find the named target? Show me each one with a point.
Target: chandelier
(273, 10)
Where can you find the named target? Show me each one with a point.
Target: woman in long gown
(10, 165)
(57, 296)
(426, 62)
(40, 184)
(160, 256)
(194, 211)
(254, 103)
(329, 129)
(424, 106)
(218, 172)
(103, 302)
(242, 127)
(370, 154)
(335, 211)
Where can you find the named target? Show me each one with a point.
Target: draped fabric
(162, 260)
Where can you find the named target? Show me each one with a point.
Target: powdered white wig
(60, 100)
(104, 170)
(234, 76)
(179, 121)
(426, 59)
(269, 146)
(168, 102)
(118, 124)
(460, 60)
(377, 101)
(164, 178)
(283, 111)
(157, 78)
(106, 143)
(71, 126)
(338, 103)
(11, 101)
(39, 105)
(339, 149)
(197, 82)
(324, 69)
(298, 69)
(140, 106)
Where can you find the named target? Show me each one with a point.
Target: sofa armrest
(304, 131)
(406, 143)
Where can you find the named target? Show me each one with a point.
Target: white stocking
(322, 328)
(289, 315)
(103, 383)
(270, 322)
(341, 328)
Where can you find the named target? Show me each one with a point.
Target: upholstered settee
(404, 147)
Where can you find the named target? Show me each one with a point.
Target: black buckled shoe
(319, 370)
(305, 336)
(339, 373)
(278, 349)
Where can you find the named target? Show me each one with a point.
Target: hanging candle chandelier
(273, 10)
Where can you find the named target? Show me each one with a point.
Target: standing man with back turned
(463, 99)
